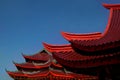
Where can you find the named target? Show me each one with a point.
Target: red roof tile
(32, 66)
(72, 58)
(53, 73)
(88, 36)
(111, 34)
(41, 56)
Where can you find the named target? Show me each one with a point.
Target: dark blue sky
(25, 24)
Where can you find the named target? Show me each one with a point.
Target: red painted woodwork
(53, 64)
(85, 51)
(32, 66)
(110, 36)
(88, 36)
(48, 70)
(53, 74)
(109, 6)
(42, 56)
(74, 59)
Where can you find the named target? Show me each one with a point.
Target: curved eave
(72, 75)
(88, 36)
(57, 48)
(16, 74)
(31, 66)
(21, 74)
(53, 73)
(40, 56)
(111, 34)
(32, 58)
(109, 6)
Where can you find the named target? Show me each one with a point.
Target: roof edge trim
(109, 6)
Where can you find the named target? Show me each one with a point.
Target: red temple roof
(109, 6)
(111, 34)
(52, 73)
(88, 36)
(58, 48)
(72, 58)
(38, 66)
(32, 66)
(41, 56)
(76, 54)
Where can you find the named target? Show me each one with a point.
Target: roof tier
(109, 6)
(31, 66)
(53, 74)
(42, 56)
(88, 36)
(57, 48)
(73, 59)
(110, 37)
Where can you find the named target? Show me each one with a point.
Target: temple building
(42, 66)
(91, 56)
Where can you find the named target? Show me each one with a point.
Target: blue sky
(25, 24)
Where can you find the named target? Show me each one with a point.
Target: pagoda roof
(57, 48)
(41, 56)
(109, 6)
(75, 36)
(52, 73)
(72, 58)
(37, 67)
(31, 65)
(110, 36)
